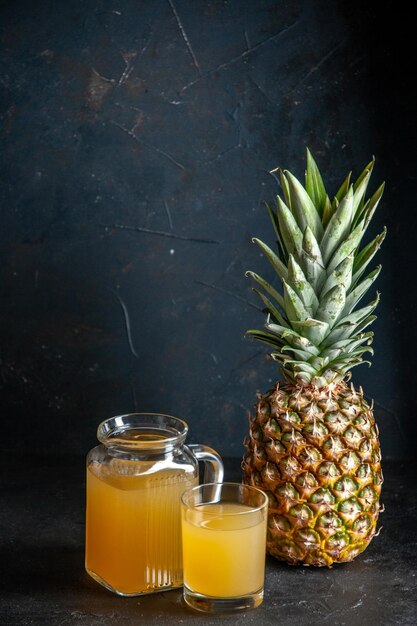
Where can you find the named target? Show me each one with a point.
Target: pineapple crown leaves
(314, 326)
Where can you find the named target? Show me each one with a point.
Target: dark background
(137, 137)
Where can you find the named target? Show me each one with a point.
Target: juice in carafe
(133, 526)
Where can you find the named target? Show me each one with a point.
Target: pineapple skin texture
(316, 454)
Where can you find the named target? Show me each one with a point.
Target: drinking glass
(224, 542)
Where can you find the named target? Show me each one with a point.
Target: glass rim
(252, 509)
(108, 427)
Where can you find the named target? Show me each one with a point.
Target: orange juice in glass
(135, 480)
(224, 537)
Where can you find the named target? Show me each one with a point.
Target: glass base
(209, 604)
(144, 592)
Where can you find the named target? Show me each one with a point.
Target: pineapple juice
(217, 541)
(133, 528)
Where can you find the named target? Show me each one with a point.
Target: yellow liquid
(223, 549)
(133, 528)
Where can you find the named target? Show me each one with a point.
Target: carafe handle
(213, 470)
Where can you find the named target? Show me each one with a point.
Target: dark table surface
(42, 578)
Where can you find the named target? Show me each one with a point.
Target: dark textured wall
(137, 139)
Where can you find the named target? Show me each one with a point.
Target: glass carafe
(135, 480)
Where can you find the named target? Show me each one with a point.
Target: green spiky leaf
(331, 305)
(297, 280)
(268, 288)
(285, 188)
(291, 234)
(338, 227)
(312, 261)
(276, 262)
(314, 184)
(341, 275)
(327, 212)
(271, 308)
(314, 330)
(303, 208)
(274, 219)
(366, 255)
(294, 306)
(360, 290)
(344, 188)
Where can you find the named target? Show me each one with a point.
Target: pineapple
(313, 445)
